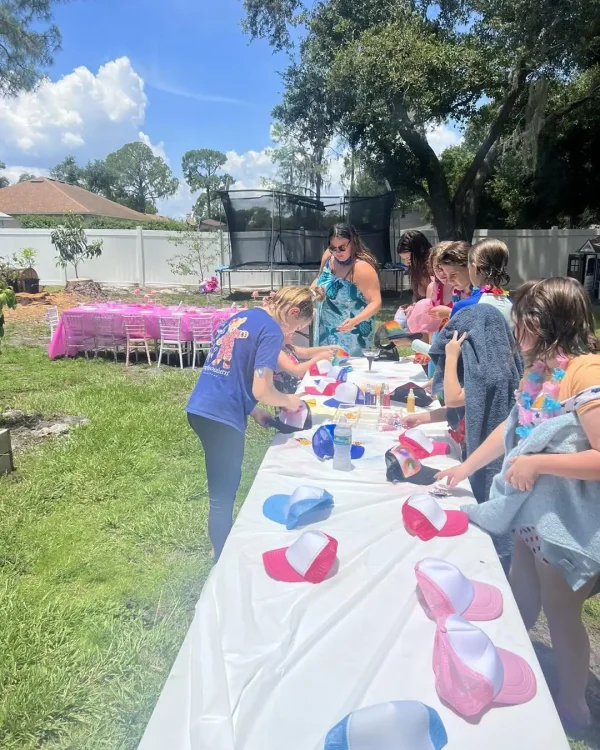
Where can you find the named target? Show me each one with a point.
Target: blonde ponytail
(305, 298)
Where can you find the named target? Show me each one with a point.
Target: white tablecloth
(273, 666)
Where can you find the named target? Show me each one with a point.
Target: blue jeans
(223, 455)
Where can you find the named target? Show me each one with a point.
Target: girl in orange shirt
(554, 328)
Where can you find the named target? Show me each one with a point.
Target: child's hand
(523, 473)
(441, 312)
(415, 420)
(294, 403)
(453, 346)
(453, 476)
(261, 417)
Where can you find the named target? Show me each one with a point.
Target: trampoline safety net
(270, 228)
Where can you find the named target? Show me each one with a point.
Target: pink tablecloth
(151, 313)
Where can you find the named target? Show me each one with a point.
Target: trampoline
(286, 234)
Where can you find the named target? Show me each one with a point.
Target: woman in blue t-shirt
(237, 374)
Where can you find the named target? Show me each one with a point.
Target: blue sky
(185, 51)
(178, 75)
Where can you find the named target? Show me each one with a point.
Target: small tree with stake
(200, 254)
(70, 241)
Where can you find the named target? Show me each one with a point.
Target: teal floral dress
(343, 300)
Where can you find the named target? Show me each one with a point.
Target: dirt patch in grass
(28, 428)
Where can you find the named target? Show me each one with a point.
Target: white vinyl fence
(140, 257)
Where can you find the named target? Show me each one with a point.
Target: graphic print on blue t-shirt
(221, 349)
(248, 341)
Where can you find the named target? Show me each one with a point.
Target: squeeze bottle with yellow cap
(410, 402)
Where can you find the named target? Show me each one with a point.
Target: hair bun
(317, 293)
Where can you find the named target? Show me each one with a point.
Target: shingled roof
(44, 196)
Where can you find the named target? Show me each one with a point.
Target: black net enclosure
(272, 228)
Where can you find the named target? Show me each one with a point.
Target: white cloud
(246, 168)
(158, 149)
(441, 137)
(13, 173)
(174, 90)
(180, 204)
(85, 113)
(249, 167)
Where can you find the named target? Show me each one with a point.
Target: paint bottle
(387, 398)
(410, 402)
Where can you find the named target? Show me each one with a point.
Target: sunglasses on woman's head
(340, 249)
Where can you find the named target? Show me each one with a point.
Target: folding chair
(52, 319)
(76, 336)
(170, 338)
(203, 327)
(135, 336)
(105, 337)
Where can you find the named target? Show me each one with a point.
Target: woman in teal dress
(350, 280)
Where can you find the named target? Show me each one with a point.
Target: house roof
(591, 245)
(211, 224)
(41, 195)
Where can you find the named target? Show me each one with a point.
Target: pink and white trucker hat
(325, 368)
(309, 558)
(446, 591)
(471, 674)
(424, 517)
(322, 367)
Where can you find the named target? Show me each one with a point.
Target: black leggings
(223, 454)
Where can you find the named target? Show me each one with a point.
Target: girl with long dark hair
(413, 249)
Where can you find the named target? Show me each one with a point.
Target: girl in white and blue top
(488, 260)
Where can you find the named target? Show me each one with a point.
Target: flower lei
(539, 395)
(495, 290)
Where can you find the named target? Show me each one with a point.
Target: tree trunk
(75, 267)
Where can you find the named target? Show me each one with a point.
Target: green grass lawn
(103, 549)
(103, 545)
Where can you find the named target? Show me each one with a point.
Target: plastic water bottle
(420, 347)
(342, 445)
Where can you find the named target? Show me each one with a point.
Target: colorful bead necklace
(539, 395)
(495, 290)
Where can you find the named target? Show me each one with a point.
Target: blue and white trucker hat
(395, 725)
(288, 509)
